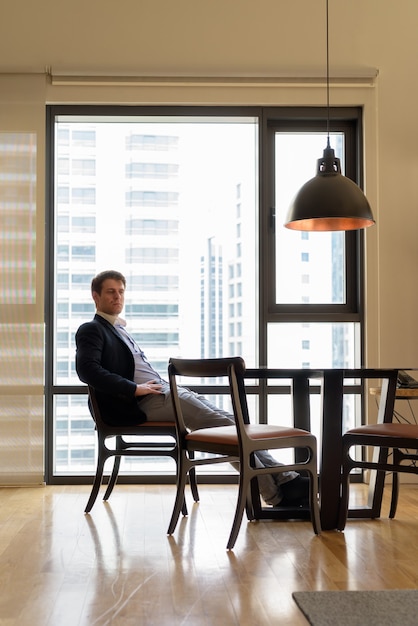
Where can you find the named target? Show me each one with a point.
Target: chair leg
(244, 485)
(184, 510)
(395, 495)
(344, 499)
(313, 501)
(180, 501)
(113, 478)
(193, 484)
(96, 484)
(253, 504)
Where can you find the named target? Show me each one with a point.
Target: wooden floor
(59, 567)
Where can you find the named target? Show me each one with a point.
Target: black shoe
(295, 492)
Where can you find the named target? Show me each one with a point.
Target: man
(130, 391)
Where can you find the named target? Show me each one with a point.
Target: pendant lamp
(329, 201)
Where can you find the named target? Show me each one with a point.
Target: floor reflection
(117, 566)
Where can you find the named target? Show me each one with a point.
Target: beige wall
(244, 38)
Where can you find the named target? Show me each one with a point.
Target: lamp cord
(327, 40)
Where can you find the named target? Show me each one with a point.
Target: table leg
(377, 479)
(301, 410)
(332, 411)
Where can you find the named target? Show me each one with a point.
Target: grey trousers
(198, 412)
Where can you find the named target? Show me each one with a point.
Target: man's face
(112, 297)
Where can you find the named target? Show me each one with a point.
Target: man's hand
(151, 386)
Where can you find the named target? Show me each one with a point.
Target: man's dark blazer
(104, 361)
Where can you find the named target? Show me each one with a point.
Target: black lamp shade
(329, 201)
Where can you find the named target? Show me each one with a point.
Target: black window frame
(348, 119)
(309, 119)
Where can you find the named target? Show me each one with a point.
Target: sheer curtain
(21, 285)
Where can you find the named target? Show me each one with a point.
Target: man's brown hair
(97, 282)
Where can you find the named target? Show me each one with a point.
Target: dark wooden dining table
(333, 384)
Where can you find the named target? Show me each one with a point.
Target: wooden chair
(236, 442)
(147, 446)
(399, 438)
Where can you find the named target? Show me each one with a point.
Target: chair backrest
(239, 401)
(94, 408)
(199, 368)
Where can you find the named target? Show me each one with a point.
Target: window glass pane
(170, 205)
(310, 267)
(192, 224)
(309, 345)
